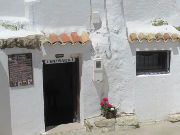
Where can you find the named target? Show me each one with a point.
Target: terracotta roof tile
(166, 37)
(85, 37)
(159, 37)
(75, 38)
(53, 38)
(149, 37)
(65, 38)
(175, 37)
(141, 37)
(133, 37)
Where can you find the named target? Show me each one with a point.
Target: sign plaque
(20, 69)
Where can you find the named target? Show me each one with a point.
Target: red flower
(102, 103)
(105, 99)
(109, 106)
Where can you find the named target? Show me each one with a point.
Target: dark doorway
(61, 93)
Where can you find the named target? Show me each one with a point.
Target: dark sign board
(20, 69)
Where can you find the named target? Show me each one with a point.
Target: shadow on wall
(5, 111)
(174, 47)
(102, 88)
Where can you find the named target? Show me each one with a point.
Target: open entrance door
(61, 93)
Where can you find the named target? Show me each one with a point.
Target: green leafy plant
(178, 28)
(159, 22)
(13, 27)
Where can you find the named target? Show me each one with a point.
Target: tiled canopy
(157, 37)
(64, 39)
(35, 41)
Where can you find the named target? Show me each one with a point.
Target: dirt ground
(162, 128)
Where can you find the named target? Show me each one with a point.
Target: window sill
(153, 74)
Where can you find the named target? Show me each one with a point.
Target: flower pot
(110, 114)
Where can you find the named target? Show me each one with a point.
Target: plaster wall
(23, 107)
(5, 111)
(118, 81)
(27, 111)
(156, 96)
(12, 8)
(150, 97)
(54, 14)
(144, 10)
(132, 93)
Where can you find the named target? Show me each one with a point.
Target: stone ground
(161, 128)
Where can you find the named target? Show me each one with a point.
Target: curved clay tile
(159, 37)
(53, 38)
(75, 38)
(166, 37)
(150, 37)
(65, 38)
(133, 37)
(141, 37)
(85, 37)
(174, 37)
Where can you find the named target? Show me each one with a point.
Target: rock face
(97, 125)
(128, 120)
(174, 117)
(105, 125)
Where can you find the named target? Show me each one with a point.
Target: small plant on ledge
(178, 28)
(159, 22)
(107, 109)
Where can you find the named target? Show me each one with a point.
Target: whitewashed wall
(12, 8)
(27, 110)
(156, 96)
(54, 14)
(150, 97)
(5, 111)
(122, 86)
(143, 9)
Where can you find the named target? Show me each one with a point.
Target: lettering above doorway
(62, 60)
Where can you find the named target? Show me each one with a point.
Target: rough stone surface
(174, 117)
(128, 120)
(162, 128)
(67, 129)
(105, 123)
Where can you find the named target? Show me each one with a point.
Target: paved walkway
(163, 128)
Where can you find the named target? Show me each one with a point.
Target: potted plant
(107, 109)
